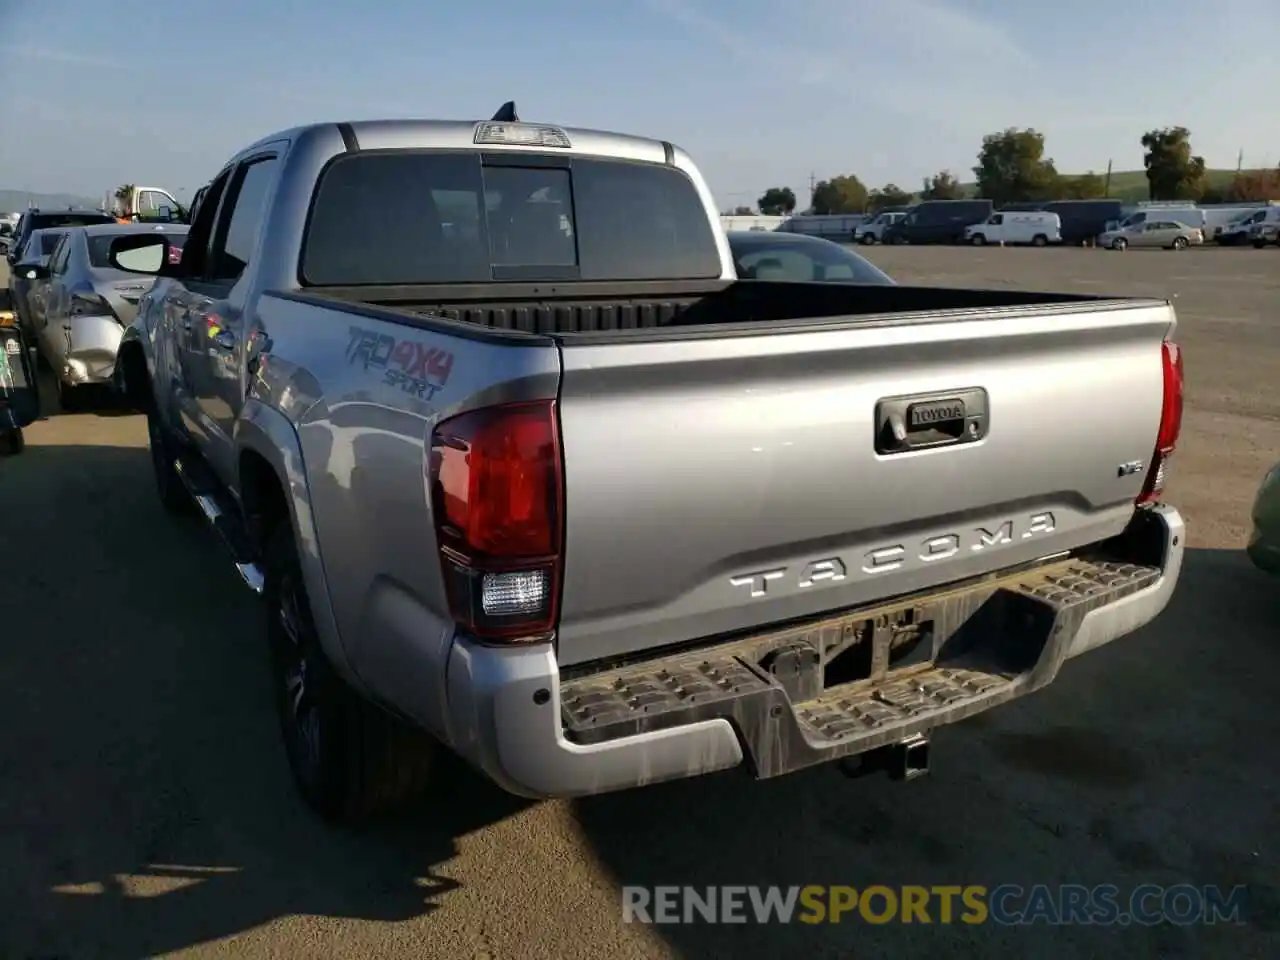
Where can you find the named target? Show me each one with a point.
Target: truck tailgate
(720, 483)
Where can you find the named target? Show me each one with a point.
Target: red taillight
(1170, 422)
(498, 504)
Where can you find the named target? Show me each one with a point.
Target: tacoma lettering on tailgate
(895, 556)
(414, 367)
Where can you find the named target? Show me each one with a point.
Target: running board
(224, 519)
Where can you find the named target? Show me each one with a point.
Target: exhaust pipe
(905, 760)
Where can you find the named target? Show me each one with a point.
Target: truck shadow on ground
(146, 802)
(147, 806)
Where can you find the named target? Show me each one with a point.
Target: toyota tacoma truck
(521, 469)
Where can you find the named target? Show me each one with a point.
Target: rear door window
(424, 218)
(238, 228)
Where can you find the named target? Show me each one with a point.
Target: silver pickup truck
(521, 468)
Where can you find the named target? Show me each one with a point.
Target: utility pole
(1106, 189)
(813, 185)
(1239, 161)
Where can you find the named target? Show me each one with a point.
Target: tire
(169, 486)
(1039, 240)
(1179, 243)
(68, 398)
(1119, 243)
(867, 239)
(12, 441)
(978, 240)
(350, 760)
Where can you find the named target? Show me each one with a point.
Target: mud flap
(19, 390)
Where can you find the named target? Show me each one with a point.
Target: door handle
(931, 420)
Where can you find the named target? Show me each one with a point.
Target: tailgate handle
(928, 420)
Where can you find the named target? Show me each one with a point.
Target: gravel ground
(146, 809)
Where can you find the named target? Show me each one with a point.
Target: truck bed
(586, 311)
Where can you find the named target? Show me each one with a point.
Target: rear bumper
(763, 701)
(85, 349)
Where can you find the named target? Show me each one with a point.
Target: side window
(195, 250)
(997, 219)
(61, 254)
(241, 219)
(150, 202)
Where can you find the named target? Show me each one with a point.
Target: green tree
(942, 186)
(1087, 186)
(777, 201)
(1173, 172)
(890, 195)
(124, 198)
(845, 194)
(743, 212)
(1012, 167)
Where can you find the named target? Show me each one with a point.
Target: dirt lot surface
(146, 809)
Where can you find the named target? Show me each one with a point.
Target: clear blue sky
(99, 93)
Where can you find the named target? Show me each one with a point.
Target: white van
(873, 230)
(1017, 226)
(1263, 230)
(1191, 216)
(1237, 231)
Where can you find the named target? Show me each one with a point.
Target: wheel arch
(272, 487)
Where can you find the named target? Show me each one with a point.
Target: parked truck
(145, 205)
(520, 468)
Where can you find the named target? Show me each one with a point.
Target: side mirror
(166, 213)
(146, 253)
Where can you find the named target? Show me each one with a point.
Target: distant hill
(15, 201)
(1131, 185)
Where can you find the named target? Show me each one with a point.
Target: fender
(267, 432)
(155, 393)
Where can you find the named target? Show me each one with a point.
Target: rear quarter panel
(364, 393)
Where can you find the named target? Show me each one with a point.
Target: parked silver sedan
(82, 305)
(1168, 234)
(26, 270)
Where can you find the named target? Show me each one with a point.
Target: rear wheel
(1039, 240)
(12, 441)
(350, 759)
